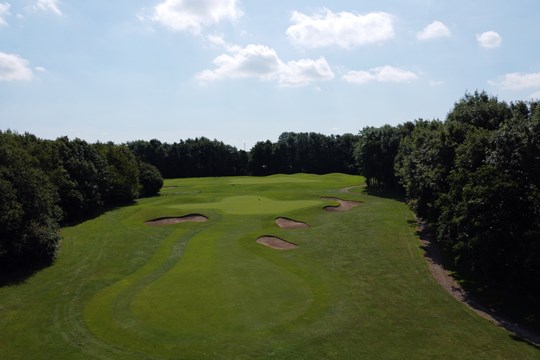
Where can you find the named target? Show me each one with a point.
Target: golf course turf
(356, 286)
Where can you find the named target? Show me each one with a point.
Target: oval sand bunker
(290, 224)
(176, 220)
(344, 205)
(276, 243)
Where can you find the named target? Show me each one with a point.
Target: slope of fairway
(357, 286)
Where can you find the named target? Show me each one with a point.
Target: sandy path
(436, 266)
(276, 243)
(344, 205)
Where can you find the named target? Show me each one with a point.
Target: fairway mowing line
(113, 302)
(290, 224)
(344, 205)
(176, 220)
(68, 320)
(276, 243)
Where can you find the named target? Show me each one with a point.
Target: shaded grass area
(356, 287)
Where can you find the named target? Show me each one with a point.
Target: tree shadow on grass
(468, 292)
(384, 193)
(18, 273)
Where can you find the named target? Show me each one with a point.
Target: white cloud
(193, 15)
(257, 61)
(4, 12)
(380, 74)
(262, 62)
(305, 71)
(489, 39)
(518, 81)
(14, 68)
(219, 41)
(48, 5)
(433, 31)
(343, 29)
(40, 69)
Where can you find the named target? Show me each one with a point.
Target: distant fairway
(356, 287)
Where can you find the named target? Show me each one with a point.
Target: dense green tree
(375, 153)
(82, 179)
(422, 168)
(29, 215)
(150, 179)
(120, 176)
(44, 183)
(262, 161)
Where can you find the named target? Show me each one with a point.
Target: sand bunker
(344, 205)
(276, 243)
(176, 220)
(289, 224)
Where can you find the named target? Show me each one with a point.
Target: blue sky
(242, 71)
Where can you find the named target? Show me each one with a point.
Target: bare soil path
(441, 274)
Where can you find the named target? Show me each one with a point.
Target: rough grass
(356, 287)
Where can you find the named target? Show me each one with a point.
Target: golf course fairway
(355, 286)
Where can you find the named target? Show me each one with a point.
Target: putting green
(251, 205)
(276, 179)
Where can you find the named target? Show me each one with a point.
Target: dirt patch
(440, 273)
(170, 187)
(176, 220)
(276, 243)
(344, 205)
(290, 224)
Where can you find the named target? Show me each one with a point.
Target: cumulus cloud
(48, 5)
(262, 62)
(433, 31)
(344, 29)
(4, 12)
(256, 61)
(193, 15)
(518, 81)
(14, 68)
(305, 71)
(489, 40)
(380, 74)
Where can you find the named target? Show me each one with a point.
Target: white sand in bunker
(344, 205)
(176, 220)
(290, 224)
(276, 243)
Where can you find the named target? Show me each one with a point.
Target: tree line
(475, 177)
(45, 184)
(292, 153)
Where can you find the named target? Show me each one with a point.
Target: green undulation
(356, 286)
(251, 205)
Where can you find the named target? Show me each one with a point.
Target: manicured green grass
(356, 287)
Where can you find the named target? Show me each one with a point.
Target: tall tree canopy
(476, 179)
(46, 183)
